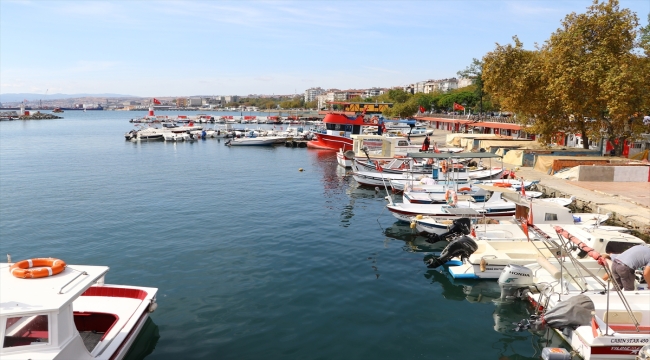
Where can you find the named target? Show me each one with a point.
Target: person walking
(626, 263)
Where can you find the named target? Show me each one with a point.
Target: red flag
(609, 147)
(458, 107)
(190, 124)
(473, 232)
(378, 167)
(364, 110)
(530, 214)
(523, 189)
(156, 101)
(422, 109)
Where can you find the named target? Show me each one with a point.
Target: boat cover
(572, 312)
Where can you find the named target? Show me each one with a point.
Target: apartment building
(312, 93)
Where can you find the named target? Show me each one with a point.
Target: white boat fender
(153, 306)
(555, 354)
(552, 270)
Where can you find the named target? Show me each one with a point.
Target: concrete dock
(628, 202)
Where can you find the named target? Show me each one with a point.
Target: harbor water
(253, 258)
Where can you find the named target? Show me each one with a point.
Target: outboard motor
(514, 280)
(462, 247)
(462, 226)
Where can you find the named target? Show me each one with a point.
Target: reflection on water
(414, 242)
(511, 344)
(145, 343)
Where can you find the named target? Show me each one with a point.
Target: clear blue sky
(168, 48)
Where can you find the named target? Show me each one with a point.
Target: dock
(628, 202)
(291, 143)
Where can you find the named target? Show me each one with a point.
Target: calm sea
(253, 259)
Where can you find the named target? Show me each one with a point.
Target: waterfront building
(312, 93)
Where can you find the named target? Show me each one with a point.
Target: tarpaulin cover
(519, 144)
(544, 163)
(454, 139)
(514, 157)
(572, 312)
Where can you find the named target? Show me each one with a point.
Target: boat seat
(621, 317)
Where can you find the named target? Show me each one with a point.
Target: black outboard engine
(462, 247)
(462, 226)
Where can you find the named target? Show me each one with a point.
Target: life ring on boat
(451, 197)
(465, 189)
(443, 166)
(374, 121)
(45, 267)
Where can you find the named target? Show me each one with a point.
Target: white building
(194, 101)
(312, 93)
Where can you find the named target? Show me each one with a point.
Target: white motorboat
(492, 257)
(495, 207)
(71, 314)
(252, 141)
(615, 324)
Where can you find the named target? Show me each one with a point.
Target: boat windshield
(26, 330)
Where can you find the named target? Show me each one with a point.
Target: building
(181, 102)
(312, 93)
(464, 82)
(194, 101)
(373, 92)
(230, 99)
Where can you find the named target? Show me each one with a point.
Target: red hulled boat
(338, 130)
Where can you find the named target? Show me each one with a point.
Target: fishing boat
(338, 131)
(492, 256)
(50, 310)
(598, 320)
(495, 207)
(252, 141)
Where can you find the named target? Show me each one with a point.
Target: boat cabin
(69, 315)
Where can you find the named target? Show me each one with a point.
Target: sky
(184, 48)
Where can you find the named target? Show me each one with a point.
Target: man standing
(626, 263)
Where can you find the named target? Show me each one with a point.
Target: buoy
(419, 217)
(483, 264)
(412, 224)
(301, 169)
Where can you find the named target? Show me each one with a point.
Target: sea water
(253, 258)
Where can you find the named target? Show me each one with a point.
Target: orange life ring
(465, 189)
(45, 267)
(451, 197)
(374, 121)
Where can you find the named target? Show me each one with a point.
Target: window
(550, 217)
(617, 247)
(26, 330)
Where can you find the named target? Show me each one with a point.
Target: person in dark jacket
(426, 143)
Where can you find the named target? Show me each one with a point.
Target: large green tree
(586, 78)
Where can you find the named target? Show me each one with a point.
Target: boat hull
(329, 142)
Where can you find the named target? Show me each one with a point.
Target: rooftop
(21, 296)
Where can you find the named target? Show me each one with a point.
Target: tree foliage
(586, 78)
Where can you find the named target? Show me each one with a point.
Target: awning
(495, 125)
(447, 155)
(453, 121)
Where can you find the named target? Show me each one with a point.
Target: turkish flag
(156, 101)
(458, 107)
(422, 109)
(378, 167)
(523, 189)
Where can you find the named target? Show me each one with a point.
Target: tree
(586, 78)
(475, 72)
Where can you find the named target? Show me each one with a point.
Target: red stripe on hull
(329, 142)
